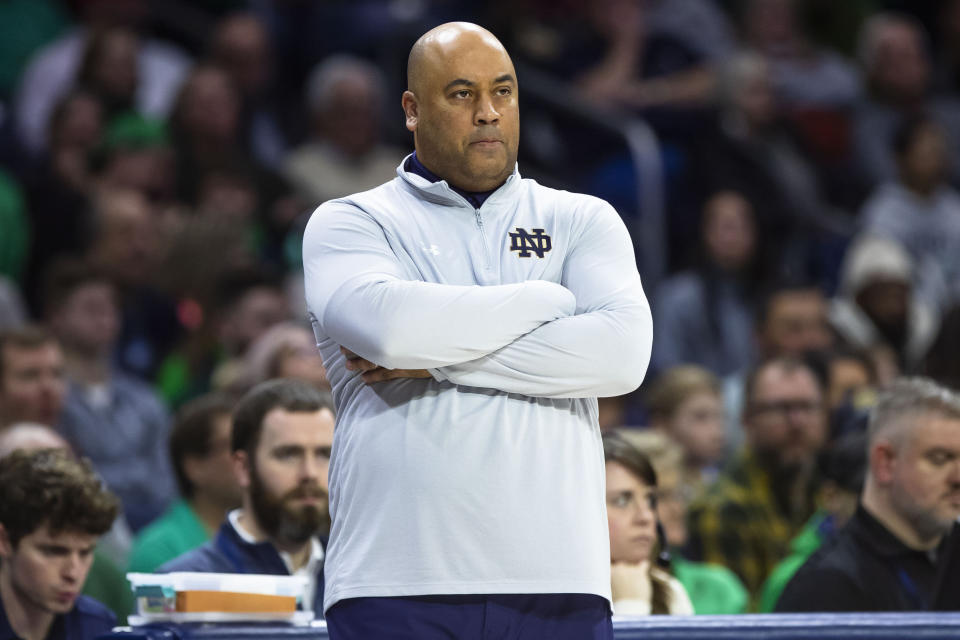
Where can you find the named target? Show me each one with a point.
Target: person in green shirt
(713, 589)
(200, 452)
(842, 467)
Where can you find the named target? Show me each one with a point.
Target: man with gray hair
(346, 153)
(890, 555)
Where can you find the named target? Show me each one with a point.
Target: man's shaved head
(430, 47)
(30, 436)
(461, 105)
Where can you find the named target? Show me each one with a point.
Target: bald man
(29, 435)
(469, 319)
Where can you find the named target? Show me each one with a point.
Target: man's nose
(311, 468)
(486, 112)
(954, 477)
(73, 568)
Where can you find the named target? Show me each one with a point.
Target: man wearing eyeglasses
(747, 519)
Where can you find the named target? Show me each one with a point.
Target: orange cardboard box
(234, 602)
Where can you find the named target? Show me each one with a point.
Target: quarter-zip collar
(437, 190)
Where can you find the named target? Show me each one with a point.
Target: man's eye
(463, 93)
(504, 91)
(939, 458)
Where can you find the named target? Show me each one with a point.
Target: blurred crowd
(158, 162)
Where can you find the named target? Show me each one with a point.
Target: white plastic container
(156, 596)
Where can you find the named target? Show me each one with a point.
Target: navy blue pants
(472, 617)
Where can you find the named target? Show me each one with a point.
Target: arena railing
(815, 626)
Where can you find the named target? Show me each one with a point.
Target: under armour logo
(525, 242)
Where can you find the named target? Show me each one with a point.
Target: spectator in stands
(713, 589)
(57, 189)
(804, 75)
(841, 467)
(755, 152)
(673, 497)
(920, 210)
(886, 559)
(207, 136)
(240, 45)
(205, 125)
(640, 584)
(32, 386)
(705, 316)
(643, 62)
(877, 304)
(762, 499)
(76, 126)
(281, 439)
(791, 320)
(127, 245)
(106, 582)
(816, 89)
(247, 301)
(685, 403)
(52, 72)
(109, 71)
(346, 153)
(126, 237)
(286, 350)
(200, 452)
(52, 510)
(893, 52)
(135, 153)
(110, 417)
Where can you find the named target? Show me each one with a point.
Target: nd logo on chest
(527, 243)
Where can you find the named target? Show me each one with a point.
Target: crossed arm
(590, 337)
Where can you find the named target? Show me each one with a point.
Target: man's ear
(241, 468)
(883, 462)
(411, 109)
(6, 546)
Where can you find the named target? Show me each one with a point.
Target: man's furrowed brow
(459, 82)
(463, 82)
